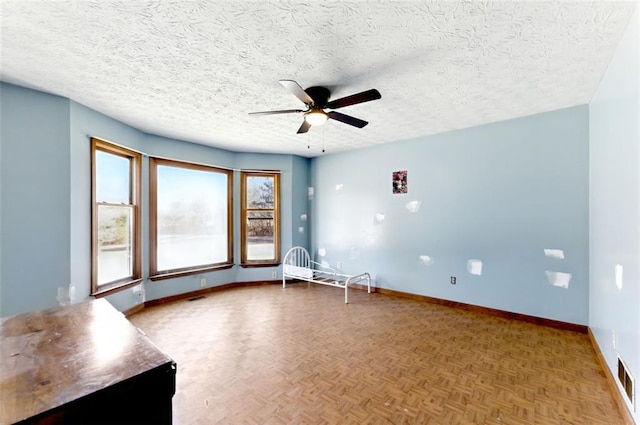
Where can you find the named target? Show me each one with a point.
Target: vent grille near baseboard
(627, 382)
(199, 297)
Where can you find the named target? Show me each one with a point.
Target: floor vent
(199, 297)
(626, 380)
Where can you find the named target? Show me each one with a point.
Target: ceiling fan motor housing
(320, 95)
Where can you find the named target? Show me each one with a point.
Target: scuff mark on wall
(558, 279)
(554, 253)
(618, 273)
(367, 239)
(413, 206)
(66, 295)
(139, 289)
(474, 267)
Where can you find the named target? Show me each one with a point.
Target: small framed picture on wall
(399, 180)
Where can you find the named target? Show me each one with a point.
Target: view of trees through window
(114, 243)
(260, 217)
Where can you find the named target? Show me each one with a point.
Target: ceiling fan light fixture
(316, 117)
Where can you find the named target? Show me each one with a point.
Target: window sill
(172, 275)
(112, 288)
(255, 265)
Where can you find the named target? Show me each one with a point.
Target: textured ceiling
(193, 70)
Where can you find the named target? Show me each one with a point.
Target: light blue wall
(35, 199)
(46, 167)
(615, 206)
(301, 215)
(500, 193)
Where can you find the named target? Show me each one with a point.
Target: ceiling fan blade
(347, 119)
(283, 111)
(361, 97)
(304, 127)
(297, 91)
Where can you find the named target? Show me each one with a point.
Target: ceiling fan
(316, 100)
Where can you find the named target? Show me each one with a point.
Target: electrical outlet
(453, 280)
(203, 282)
(274, 275)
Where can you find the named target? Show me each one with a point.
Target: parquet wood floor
(267, 355)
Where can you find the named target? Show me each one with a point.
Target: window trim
(243, 218)
(154, 274)
(135, 192)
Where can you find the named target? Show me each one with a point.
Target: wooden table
(82, 364)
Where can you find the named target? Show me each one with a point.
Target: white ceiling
(193, 70)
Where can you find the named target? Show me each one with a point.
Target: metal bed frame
(297, 264)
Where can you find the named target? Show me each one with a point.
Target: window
(260, 218)
(191, 221)
(115, 213)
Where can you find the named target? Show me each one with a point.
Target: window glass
(260, 235)
(113, 180)
(191, 216)
(260, 231)
(259, 192)
(115, 243)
